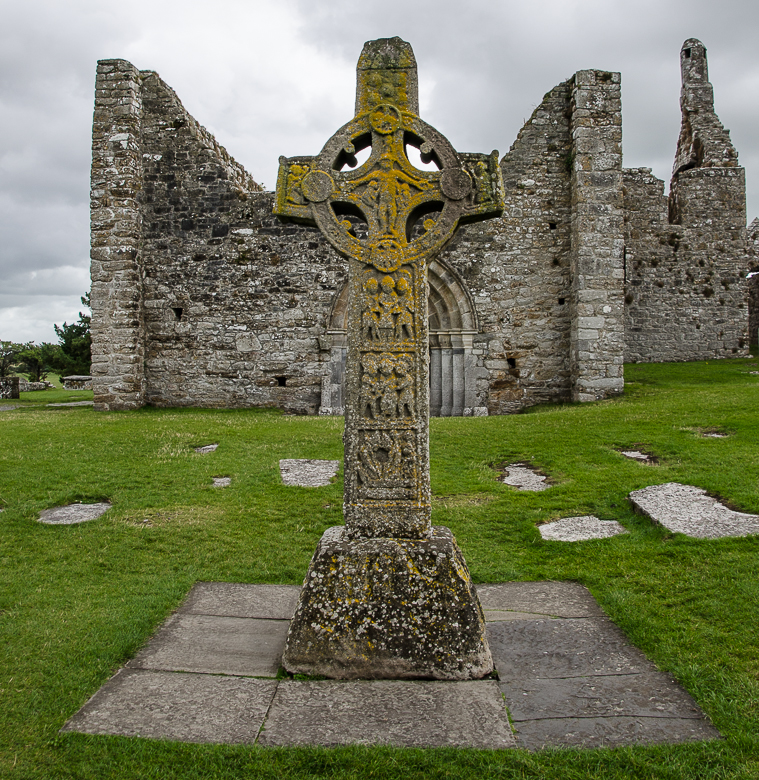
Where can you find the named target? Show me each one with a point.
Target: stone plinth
(388, 608)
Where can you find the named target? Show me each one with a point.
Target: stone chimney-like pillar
(118, 372)
(597, 257)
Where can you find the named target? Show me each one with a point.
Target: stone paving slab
(75, 403)
(236, 599)
(580, 529)
(391, 712)
(644, 695)
(689, 510)
(215, 645)
(610, 732)
(569, 679)
(530, 649)
(73, 513)
(303, 472)
(559, 599)
(172, 705)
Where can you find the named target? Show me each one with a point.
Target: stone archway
(453, 324)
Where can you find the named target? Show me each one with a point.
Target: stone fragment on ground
(206, 449)
(222, 482)
(8, 407)
(714, 435)
(642, 457)
(578, 529)
(569, 677)
(75, 403)
(304, 472)
(73, 513)
(523, 477)
(689, 510)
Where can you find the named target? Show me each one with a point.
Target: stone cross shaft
(388, 218)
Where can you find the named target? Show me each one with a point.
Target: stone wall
(685, 257)
(752, 251)
(201, 297)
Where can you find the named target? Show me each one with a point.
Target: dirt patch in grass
(175, 516)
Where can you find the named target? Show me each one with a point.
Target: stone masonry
(202, 297)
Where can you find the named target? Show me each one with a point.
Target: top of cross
(407, 213)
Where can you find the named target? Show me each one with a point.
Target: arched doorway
(453, 324)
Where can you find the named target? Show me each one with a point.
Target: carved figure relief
(388, 309)
(387, 386)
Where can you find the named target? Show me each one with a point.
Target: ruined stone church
(202, 297)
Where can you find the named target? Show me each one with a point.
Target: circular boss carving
(455, 183)
(317, 186)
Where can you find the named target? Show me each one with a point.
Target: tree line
(72, 354)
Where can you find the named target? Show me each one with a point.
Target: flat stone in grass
(75, 403)
(376, 712)
(73, 513)
(222, 482)
(206, 449)
(689, 510)
(579, 529)
(171, 705)
(7, 407)
(303, 472)
(641, 457)
(522, 476)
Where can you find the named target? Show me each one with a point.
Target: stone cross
(388, 218)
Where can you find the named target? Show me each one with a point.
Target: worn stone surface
(558, 599)
(578, 529)
(215, 644)
(689, 510)
(202, 297)
(648, 694)
(232, 599)
(538, 649)
(523, 477)
(206, 449)
(75, 403)
(611, 732)
(222, 482)
(384, 712)
(388, 608)
(184, 707)
(73, 513)
(308, 473)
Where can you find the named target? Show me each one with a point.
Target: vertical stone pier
(597, 259)
(118, 370)
(388, 595)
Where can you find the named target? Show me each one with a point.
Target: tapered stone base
(388, 608)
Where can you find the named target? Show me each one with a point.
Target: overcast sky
(272, 77)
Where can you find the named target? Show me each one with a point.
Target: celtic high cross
(389, 219)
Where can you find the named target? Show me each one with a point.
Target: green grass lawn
(76, 602)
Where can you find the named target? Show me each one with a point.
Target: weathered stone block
(388, 608)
